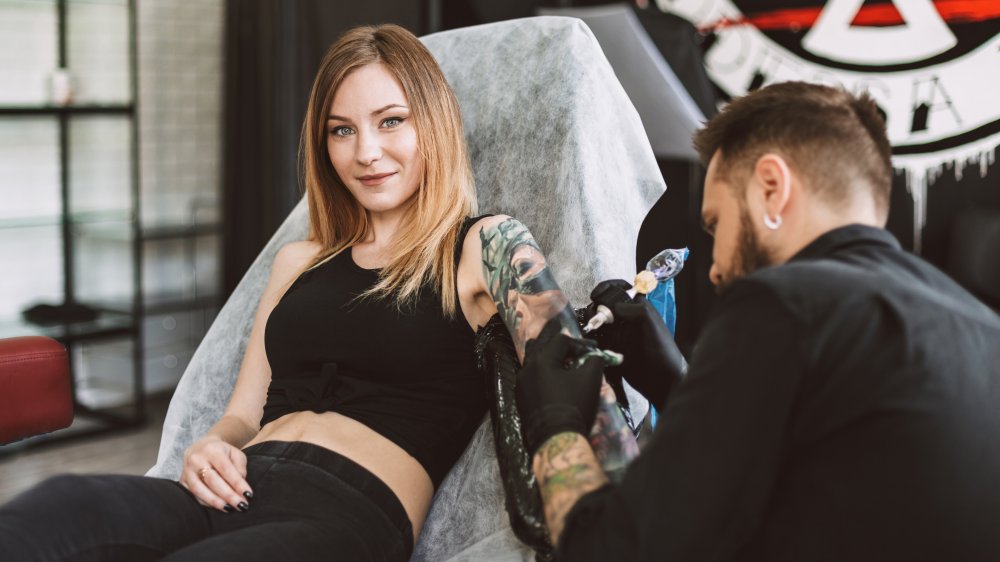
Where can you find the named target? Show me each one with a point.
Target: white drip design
(922, 170)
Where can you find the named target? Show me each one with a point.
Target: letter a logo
(922, 35)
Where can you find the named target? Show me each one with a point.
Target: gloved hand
(552, 397)
(653, 364)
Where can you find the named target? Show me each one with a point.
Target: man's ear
(774, 181)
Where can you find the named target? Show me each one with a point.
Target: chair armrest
(35, 391)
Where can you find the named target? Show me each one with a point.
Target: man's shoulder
(815, 287)
(819, 277)
(810, 276)
(810, 289)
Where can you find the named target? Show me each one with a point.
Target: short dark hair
(833, 139)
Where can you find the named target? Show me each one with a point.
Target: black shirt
(408, 374)
(843, 406)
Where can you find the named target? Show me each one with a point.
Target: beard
(749, 255)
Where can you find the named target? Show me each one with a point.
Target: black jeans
(309, 504)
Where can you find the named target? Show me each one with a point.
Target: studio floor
(130, 451)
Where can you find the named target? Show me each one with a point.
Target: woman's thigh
(100, 517)
(287, 541)
(304, 509)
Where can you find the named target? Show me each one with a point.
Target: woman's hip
(311, 483)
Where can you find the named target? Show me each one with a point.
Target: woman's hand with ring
(215, 473)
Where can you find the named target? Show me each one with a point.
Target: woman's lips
(375, 179)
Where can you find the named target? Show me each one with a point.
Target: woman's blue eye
(340, 131)
(392, 122)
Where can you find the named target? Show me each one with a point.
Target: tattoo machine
(656, 283)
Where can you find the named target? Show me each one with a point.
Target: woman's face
(372, 142)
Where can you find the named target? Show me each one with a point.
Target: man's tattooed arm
(566, 469)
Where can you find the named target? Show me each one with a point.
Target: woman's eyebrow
(388, 107)
(333, 117)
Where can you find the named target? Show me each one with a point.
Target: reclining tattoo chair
(555, 142)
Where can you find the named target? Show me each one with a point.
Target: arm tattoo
(527, 297)
(521, 284)
(566, 469)
(611, 438)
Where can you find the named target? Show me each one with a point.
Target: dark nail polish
(243, 506)
(228, 508)
(248, 495)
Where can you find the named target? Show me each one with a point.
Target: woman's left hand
(215, 473)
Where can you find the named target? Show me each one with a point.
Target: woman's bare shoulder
(472, 235)
(293, 257)
(489, 221)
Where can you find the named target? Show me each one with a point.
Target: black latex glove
(553, 397)
(653, 364)
(608, 293)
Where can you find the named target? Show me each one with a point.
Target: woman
(358, 389)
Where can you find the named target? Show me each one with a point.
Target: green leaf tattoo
(566, 469)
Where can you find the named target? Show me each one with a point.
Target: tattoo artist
(843, 401)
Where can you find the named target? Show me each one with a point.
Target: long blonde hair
(423, 250)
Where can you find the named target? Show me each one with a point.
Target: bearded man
(843, 403)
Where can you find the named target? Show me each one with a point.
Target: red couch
(35, 387)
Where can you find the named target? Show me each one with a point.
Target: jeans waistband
(348, 471)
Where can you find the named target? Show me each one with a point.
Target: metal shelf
(168, 304)
(153, 305)
(155, 233)
(78, 218)
(107, 325)
(173, 232)
(60, 110)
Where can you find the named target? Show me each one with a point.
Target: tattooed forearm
(566, 469)
(527, 297)
(521, 284)
(611, 438)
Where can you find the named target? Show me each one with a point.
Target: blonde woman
(358, 390)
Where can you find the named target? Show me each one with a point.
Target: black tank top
(410, 375)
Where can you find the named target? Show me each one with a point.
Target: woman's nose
(368, 149)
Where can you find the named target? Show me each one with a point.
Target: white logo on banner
(923, 105)
(923, 34)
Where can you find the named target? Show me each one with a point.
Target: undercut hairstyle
(834, 140)
(424, 249)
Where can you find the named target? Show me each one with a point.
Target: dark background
(273, 48)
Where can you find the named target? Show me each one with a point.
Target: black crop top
(411, 375)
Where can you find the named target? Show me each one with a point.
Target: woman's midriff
(356, 441)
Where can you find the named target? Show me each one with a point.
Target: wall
(181, 70)
(179, 120)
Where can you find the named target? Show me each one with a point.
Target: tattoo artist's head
(383, 134)
(787, 164)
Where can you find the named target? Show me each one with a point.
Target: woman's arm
(224, 483)
(505, 265)
(505, 269)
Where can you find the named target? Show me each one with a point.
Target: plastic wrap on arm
(496, 358)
